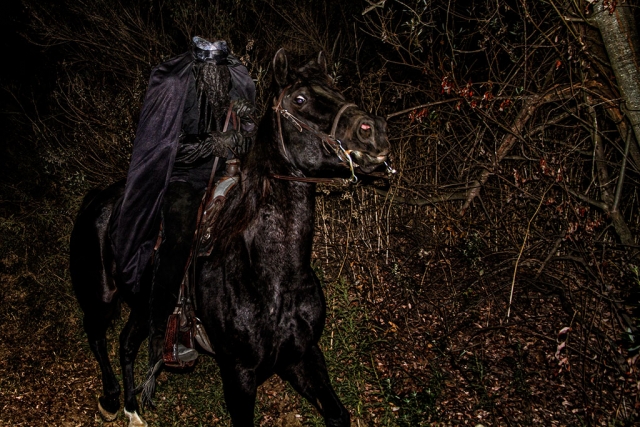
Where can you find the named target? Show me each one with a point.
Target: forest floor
(394, 360)
(398, 355)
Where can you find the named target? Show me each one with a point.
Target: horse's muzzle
(373, 150)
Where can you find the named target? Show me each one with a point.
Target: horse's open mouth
(366, 162)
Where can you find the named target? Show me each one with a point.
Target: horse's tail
(148, 386)
(88, 198)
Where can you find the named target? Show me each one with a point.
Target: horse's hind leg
(109, 402)
(132, 335)
(310, 378)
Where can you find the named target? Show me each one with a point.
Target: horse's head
(319, 133)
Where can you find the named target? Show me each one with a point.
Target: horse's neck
(298, 197)
(289, 224)
(290, 205)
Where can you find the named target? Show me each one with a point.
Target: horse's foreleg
(310, 378)
(239, 394)
(109, 402)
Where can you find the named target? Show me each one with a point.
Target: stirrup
(186, 354)
(179, 345)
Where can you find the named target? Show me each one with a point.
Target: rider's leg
(179, 210)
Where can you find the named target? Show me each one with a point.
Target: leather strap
(337, 119)
(310, 180)
(230, 114)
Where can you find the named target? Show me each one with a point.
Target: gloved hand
(243, 108)
(222, 141)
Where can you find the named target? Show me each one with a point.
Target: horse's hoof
(106, 415)
(135, 420)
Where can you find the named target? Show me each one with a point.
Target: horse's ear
(322, 62)
(281, 67)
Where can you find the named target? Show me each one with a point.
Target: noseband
(329, 141)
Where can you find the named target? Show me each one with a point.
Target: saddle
(184, 329)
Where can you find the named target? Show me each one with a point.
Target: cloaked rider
(179, 134)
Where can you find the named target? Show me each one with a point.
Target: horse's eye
(300, 100)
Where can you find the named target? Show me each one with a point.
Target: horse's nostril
(365, 131)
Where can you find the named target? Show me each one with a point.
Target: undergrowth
(195, 397)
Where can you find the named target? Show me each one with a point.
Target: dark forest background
(493, 281)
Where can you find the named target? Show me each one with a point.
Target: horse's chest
(296, 322)
(280, 321)
(270, 307)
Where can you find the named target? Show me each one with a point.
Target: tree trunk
(620, 37)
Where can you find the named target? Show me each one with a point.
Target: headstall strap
(278, 109)
(337, 119)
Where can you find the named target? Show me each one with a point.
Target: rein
(329, 141)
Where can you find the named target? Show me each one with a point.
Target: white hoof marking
(134, 419)
(106, 415)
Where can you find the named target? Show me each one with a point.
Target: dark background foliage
(493, 281)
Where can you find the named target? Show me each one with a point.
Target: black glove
(243, 108)
(223, 141)
(192, 148)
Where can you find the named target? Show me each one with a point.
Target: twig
(553, 250)
(587, 199)
(430, 104)
(447, 101)
(623, 168)
(418, 201)
(552, 95)
(346, 250)
(373, 6)
(524, 242)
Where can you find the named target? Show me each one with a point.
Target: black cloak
(135, 225)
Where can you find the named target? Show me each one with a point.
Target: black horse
(258, 297)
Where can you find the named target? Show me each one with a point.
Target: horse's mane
(246, 198)
(259, 163)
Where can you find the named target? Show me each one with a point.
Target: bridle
(329, 141)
